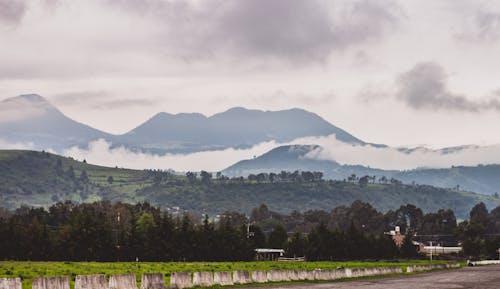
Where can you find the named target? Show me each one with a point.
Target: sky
(402, 73)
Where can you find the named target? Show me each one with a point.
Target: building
(263, 254)
(438, 250)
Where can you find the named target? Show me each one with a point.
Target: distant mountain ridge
(30, 118)
(237, 128)
(43, 125)
(484, 179)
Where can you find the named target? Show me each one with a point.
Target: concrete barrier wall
(321, 275)
(337, 274)
(203, 279)
(277, 276)
(10, 283)
(223, 278)
(259, 276)
(181, 280)
(420, 268)
(152, 281)
(91, 282)
(241, 277)
(51, 283)
(486, 262)
(302, 274)
(293, 275)
(122, 281)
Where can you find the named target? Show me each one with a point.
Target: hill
(41, 179)
(482, 179)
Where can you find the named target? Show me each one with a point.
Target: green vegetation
(42, 179)
(29, 270)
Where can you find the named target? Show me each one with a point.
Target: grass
(29, 270)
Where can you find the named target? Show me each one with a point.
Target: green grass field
(29, 270)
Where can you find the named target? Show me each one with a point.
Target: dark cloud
(290, 29)
(12, 11)
(424, 87)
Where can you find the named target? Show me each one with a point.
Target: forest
(105, 231)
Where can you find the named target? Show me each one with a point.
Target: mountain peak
(27, 98)
(32, 97)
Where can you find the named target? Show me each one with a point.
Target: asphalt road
(484, 277)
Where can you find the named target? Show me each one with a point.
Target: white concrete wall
(241, 277)
(203, 279)
(152, 281)
(122, 281)
(51, 283)
(486, 262)
(91, 282)
(223, 278)
(259, 276)
(181, 280)
(10, 283)
(420, 268)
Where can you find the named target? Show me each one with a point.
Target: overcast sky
(393, 72)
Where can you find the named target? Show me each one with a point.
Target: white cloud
(7, 145)
(101, 152)
(398, 158)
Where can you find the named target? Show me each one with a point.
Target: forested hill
(42, 179)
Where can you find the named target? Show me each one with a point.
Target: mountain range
(31, 119)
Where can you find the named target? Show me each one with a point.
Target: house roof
(265, 250)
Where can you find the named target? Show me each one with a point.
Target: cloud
(424, 87)
(398, 158)
(8, 145)
(101, 152)
(12, 11)
(296, 30)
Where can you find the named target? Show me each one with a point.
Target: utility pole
(431, 251)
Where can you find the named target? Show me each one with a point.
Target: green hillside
(42, 179)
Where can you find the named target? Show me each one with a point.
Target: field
(29, 270)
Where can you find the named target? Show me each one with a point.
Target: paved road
(485, 277)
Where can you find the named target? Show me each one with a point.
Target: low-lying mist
(103, 153)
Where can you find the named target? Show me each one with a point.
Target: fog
(103, 153)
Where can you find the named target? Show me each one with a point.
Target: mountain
(237, 128)
(42, 179)
(484, 179)
(31, 119)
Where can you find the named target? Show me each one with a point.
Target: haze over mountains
(32, 122)
(484, 179)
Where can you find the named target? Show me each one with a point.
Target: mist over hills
(41, 179)
(32, 120)
(484, 179)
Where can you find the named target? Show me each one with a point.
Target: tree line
(103, 231)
